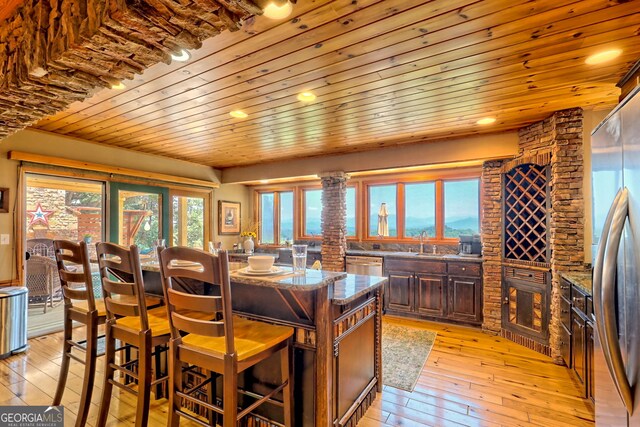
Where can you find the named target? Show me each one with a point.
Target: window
(420, 209)
(444, 208)
(351, 211)
(312, 212)
(461, 207)
(382, 211)
(312, 205)
(267, 218)
(286, 217)
(276, 217)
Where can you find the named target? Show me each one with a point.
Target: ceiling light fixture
(486, 121)
(182, 56)
(275, 11)
(601, 57)
(306, 97)
(238, 114)
(118, 86)
(264, 181)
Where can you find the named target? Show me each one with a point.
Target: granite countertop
(399, 254)
(311, 280)
(443, 257)
(354, 286)
(580, 279)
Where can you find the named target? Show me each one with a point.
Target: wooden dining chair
(130, 324)
(80, 306)
(225, 344)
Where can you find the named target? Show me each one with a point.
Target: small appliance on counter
(470, 245)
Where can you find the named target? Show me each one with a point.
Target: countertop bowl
(260, 262)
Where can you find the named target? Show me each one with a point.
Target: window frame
(480, 193)
(276, 213)
(302, 219)
(361, 185)
(207, 195)
(400, 181)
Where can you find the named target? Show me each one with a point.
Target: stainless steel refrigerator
(615, 175)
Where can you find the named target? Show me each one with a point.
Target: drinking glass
(154, 251)
(299, 254)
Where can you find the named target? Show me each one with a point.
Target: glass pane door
(137, 215)
(189, 220)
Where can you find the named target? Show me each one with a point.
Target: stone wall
(62, 224)
(334, 221)
(492, 245)
(561, 134)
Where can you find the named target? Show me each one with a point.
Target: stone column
(492, 245)
(334, 220)
(567, 214)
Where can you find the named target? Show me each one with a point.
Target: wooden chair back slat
(121, 275)
(71, 276)
(66, 253)
(120, 288)
(191, 325)
(213, 269)
(75, 294)
(203, 303)
(123, 309)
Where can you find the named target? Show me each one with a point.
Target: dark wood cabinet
(435, 290)
(565, 345)
(400, 291)
(578, 348)
(430, 295)
(465, 298)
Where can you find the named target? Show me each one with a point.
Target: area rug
(404, 353)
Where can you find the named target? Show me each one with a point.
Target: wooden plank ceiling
(385, 73)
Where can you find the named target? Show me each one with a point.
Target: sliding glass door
(190, 219)
(138, 215)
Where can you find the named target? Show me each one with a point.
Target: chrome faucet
(423, 234)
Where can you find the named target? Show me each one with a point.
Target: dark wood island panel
(337, 341)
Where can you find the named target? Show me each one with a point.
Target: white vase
(248, 245)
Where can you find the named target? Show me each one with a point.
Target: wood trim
(97, 167)
(541, 158)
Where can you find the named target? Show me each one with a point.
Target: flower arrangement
(250, 230)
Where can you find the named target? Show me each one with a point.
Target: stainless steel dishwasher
(365, 265)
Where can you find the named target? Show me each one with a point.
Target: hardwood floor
(476, 379)
(470, 378)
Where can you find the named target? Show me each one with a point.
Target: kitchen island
(337, 340)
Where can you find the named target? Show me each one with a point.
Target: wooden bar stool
(225, 345)
(133, 324)
(81, 306)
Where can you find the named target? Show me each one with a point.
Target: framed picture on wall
(228, 217)
(4, 200)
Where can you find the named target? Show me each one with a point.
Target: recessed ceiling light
(182, 56)
(274, 11)
(306, 97)
(238, 114)
(486, 121)
(600, 57)
(264, 181)
(119, 86)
